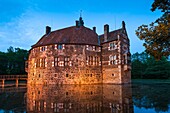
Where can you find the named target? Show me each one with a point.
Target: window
(66, 61)
(43, 48)
(92, 60)
(62, 61)
(59, 47)
(112, 59)
(55, 47)
(124, 59)
(87, 47)
(56, 60)
(38, 63)
(94, 48)
(42, 62)
(113, 45)
(66, 75)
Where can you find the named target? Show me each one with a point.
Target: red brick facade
(77, 55)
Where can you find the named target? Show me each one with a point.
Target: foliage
(157, 34)
(13, 61)
(152, 96)
(146, 66)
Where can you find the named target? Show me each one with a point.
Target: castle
(78, 55)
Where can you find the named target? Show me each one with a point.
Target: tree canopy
(157, 34)
(145, 66)
(13, 61)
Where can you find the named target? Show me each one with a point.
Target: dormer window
(59, 47)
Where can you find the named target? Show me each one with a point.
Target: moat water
(134, 98)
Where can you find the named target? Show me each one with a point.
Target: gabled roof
(113, 35)
(69, 35)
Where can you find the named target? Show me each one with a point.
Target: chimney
(94, 29)
(123, 24)
(48, 30)
(77, 23)
(106, 32)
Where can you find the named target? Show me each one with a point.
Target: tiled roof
(69, 35)
(111, 36)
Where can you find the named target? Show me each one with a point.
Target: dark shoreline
(151, 81)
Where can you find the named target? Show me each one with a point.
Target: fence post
(3, 83)
(16, 82)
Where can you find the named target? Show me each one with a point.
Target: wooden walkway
(4, 78)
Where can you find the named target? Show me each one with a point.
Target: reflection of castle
(77, 55)
(79, 99)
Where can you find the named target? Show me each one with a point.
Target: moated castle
(78, 55)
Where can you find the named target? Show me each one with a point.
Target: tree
(13, 61)
(157, 34)
(145, 66)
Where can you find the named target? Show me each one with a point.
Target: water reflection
(152, 96)
(80, 99)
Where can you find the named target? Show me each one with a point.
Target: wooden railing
(4, 78)
(13, 77)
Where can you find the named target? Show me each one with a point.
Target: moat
(129, 98)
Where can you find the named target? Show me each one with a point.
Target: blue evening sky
(22, 22)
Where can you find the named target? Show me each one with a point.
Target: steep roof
(111, 36)
(69, 35)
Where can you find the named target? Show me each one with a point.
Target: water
(135, 98)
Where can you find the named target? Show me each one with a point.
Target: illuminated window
(70, 63)
(63, 46)
(66, 61)
(112, 59)
(99, 49)
(38, 63)
(55, 47)
(87, 47)
(62, 61)
(56, 60)
(43, 48)
(94, 48)
(42, 62)
(52, 64)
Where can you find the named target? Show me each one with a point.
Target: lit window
(43, 48)
(56, 60)
(55, 47)
(99, 49)
(45, 62)
(66, 61)
(87, 47)
(112, 59)
(70, 63)
(94, 48)
(63, 46)
(61, 63)
(52, 64)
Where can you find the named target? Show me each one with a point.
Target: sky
(23, 22)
